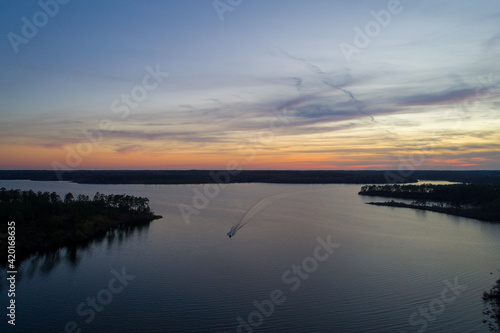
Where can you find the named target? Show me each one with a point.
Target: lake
(302, 258)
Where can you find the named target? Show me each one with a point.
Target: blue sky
(424, 81)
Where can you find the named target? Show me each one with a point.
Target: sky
(257, 84)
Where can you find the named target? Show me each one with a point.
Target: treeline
(464, 194)
(480, 201)
(204, 176)
(46, 221)
(491, 299)
(41, 208)
(251, 176)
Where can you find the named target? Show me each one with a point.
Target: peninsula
(43, 221)
(477, 201)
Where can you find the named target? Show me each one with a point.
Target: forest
(479, 201)
(45, 221)
(491, 299)
(251, 176)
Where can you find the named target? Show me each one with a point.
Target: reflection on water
(43, 263)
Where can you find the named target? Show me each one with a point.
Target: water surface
(191, 277)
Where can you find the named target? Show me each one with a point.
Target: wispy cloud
(450, 96)
(128, 149)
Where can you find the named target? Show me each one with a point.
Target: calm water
(194, 278)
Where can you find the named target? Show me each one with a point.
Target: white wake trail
(257, 208)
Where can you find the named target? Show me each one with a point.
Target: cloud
(304, 130)
(143, 135)
(128, 149)
(321, 111)
(328, 80)
(443, 97)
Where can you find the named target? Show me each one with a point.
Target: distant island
(250, 176)
(477, 201)
(43, 221)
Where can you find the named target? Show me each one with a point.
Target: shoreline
(191, 177)
(476, 214)
(43, 221)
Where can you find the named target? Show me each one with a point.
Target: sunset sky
(270, 84)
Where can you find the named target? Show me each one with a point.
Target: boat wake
(255, 209)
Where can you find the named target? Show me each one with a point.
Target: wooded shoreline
(477, 201)
(44, 221)
(250, 176)
(472, 213)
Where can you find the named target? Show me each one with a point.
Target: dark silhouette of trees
(479, 201)
(44, 221)
(492, 311)
(68, 197)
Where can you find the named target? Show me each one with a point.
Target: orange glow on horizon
(36, 157)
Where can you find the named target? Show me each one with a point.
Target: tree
(68, 198)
